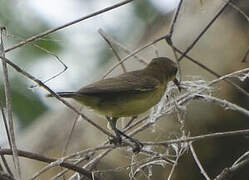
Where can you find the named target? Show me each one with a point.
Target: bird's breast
(129, 104)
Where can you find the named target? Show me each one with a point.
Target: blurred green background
(88, 56)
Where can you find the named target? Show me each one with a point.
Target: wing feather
(133, 82)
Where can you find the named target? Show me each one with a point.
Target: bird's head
(164, 68)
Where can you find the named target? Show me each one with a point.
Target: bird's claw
(115, 140)
(138, 147)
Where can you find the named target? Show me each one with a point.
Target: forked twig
(29, 76)
(125, 49)
(41, 158)
(11, 127)
(113, 50)
(198, 162)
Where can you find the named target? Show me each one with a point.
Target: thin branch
(130, 121)
(241, 158)
(165, 37)
(109, 148)
(169, 38)
(176, 162)
(70, 134)
(40, 35)
(5, 163)
(91, 164)
(62, 173)
(42, 158)
(173, 22)
(231, 3)
(186, 56)
(114, 51)
(29, 76)
(223, 103)
(65, 158)
(214, 73)
(11, 127)
(204, 30)
(64, 151)
(201, 137)
(228, 173)
(125, 49)
(198, 162)
(58, 59)
(190, 96)
(133, 54)
(246, 55)
(48, 52)
(5, 176)
(8, 136)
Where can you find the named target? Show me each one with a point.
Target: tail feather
(65, 94)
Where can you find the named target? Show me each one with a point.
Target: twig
(5, 163)
(64, 151)
(173, 22)
(189, 96)
(11, 128)
(223, 103)
(214, 73)
(5, 176)
(40, 35)
(176, 162)
(29, 76)
(246, 55)
(215, 81)
(60, 61)
(41, 158)
(130, 121)
(231, 3)
(103, 154)
(241, 158)
(201, 137)
(77, 154)
(133, 54)
(170, 34)
(247, 18)
(233, 74)
(114, 51)
(125, 49)
(165, 37)
(90, 165)
(228, 173)
(204, 30)
(48, 52)
(62, 173)
(198, 162)
(8, 136)
(186, 56)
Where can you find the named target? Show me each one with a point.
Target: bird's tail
(65, 94)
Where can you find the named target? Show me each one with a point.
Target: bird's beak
(177, 83)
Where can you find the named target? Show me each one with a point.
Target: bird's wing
(134, 82)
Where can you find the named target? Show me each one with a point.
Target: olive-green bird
(128, 94)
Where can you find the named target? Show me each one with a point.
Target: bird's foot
(138, 147)
(115, 140)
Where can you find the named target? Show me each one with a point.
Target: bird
(127, 95)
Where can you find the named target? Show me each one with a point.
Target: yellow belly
(125, 105)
